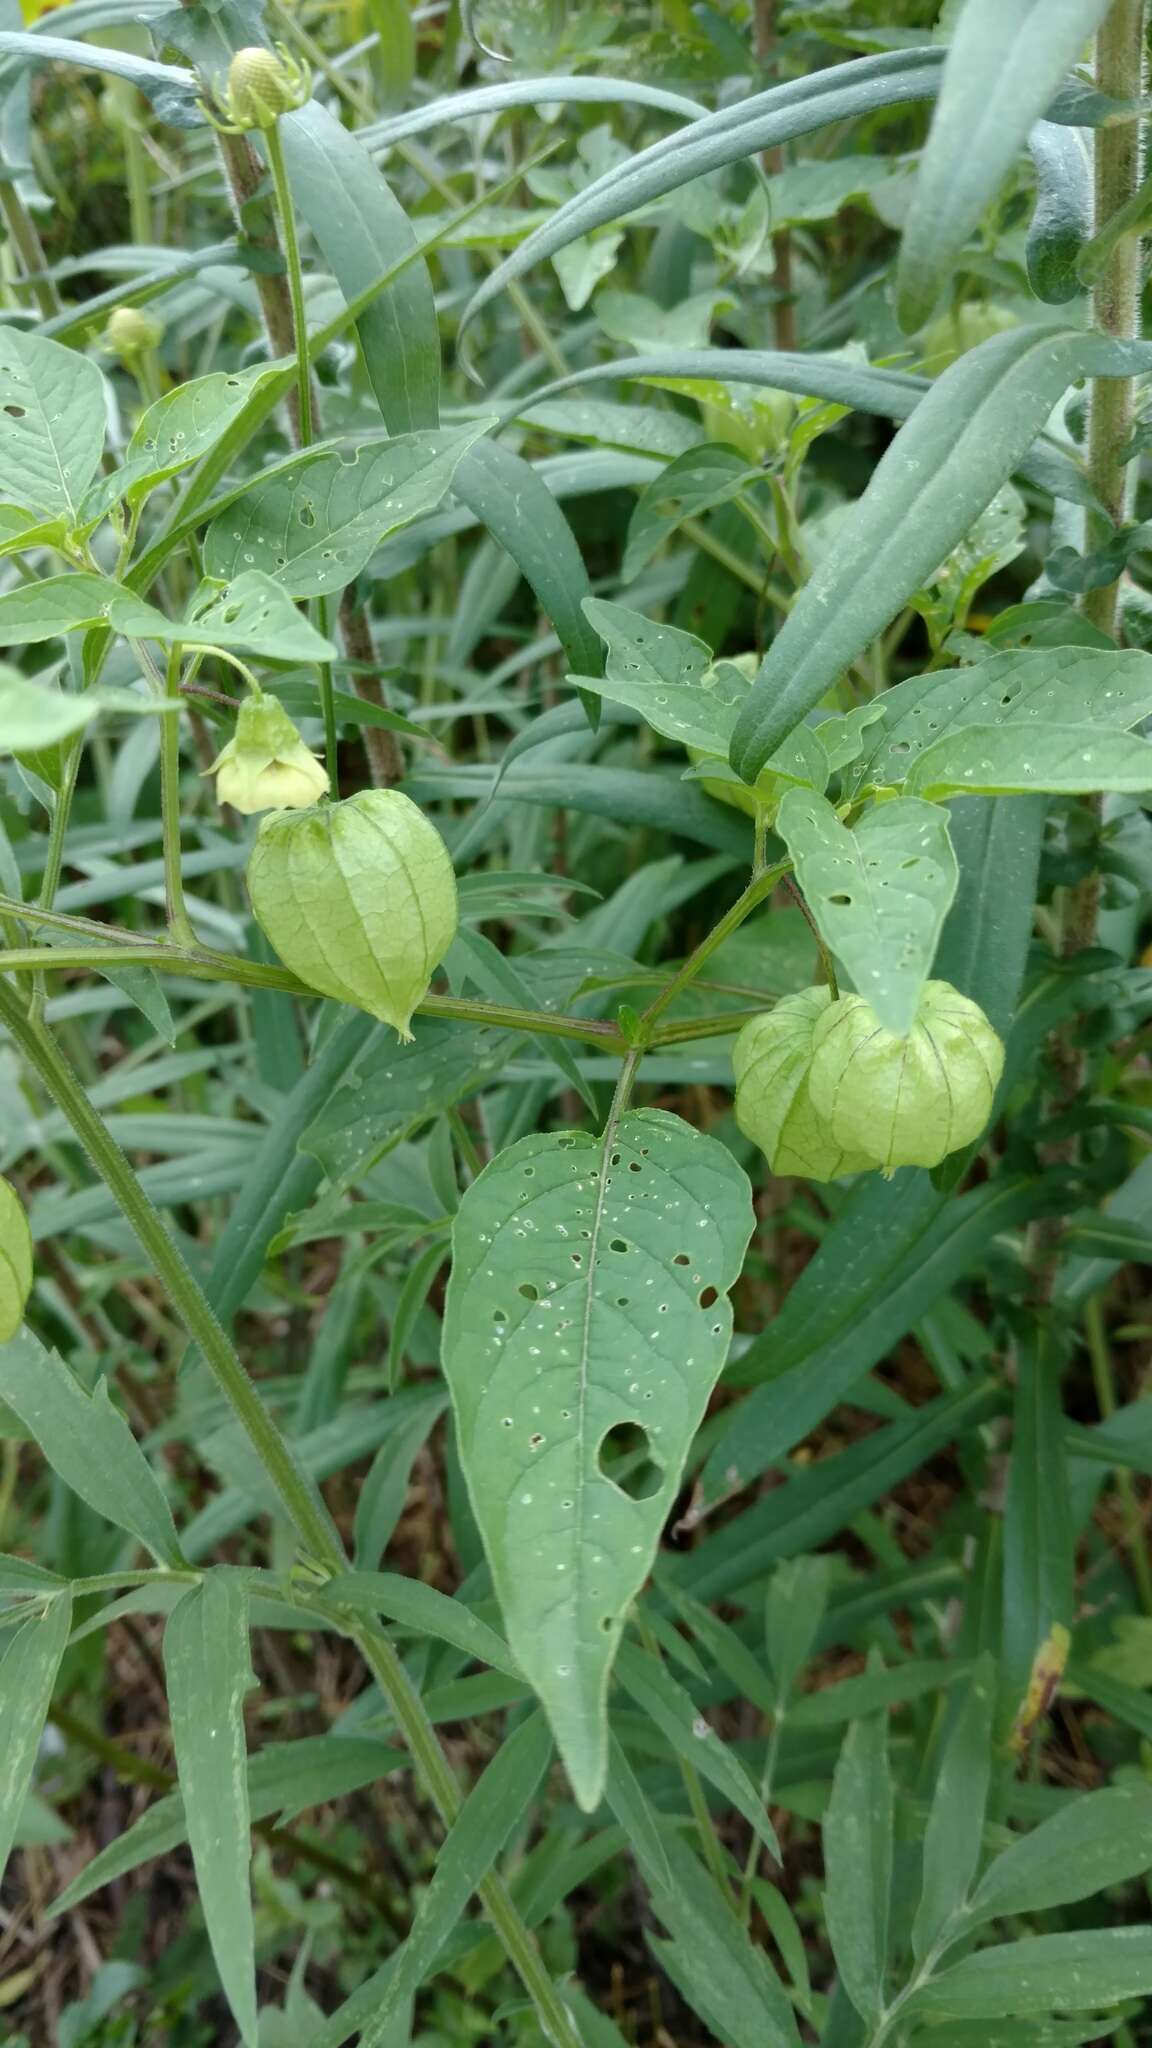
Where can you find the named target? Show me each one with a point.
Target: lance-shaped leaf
(209, 1672)
(879, 894)
(1006, 60)
(586, 1315)
(53, 418)
(27, 1676)
(254, 615)
(945, 465)
(313, 526)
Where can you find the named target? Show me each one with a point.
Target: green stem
(767, 1780)
(179, 922)
(70, 754)
(301, 1502)
(26, 241)
(758, 888)
(306, 423)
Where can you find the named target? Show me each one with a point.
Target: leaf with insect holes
(313, 526)
(173, 434)
(53, 417)
(253, 615)
(1023, 688)
(587, 1315)
(879, 894)
(1070, 760)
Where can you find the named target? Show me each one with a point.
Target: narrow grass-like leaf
(964, 439)
(87, 1441)
(1038, 1535)
(423, 1609)
(209, 1671)
(1102, 1839)
(523, 92)
(1042, 1973)
(955, 1828)
(362, 230)
(492, 1810)
(711, 1960)
(879, 893)
(511, 498)
(553, 1340)
(671, 1709)
(634, 1814)
(858, 1864)
(27, 1676)
(1005, 61)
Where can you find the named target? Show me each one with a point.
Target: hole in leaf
(625, 1457)
(16, 412)
(842, 899)
(529, 1292)
(681, 1259)
(707, 1296)
(606, 1623)
(307, 516)
(617, 1244)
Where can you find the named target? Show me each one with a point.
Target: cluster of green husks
(824, 1089)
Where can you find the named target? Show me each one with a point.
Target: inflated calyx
(358, 898)
(266, 765)
(774, 1106)
(905, 1101)
(15, 1262)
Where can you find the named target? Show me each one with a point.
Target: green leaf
(693, 484)
(209, 1671)
(87, 1441)
(945, 465)
(994, 760)
(1043, 1973)
(793, 1611)
(1061, 224)
(711, 1960)
(523, 92)
(954, 1835)
(588, 1295)
(857, 1834)
(27, 1676)
(1100, 1840)
(254, 615)
(314, 525)
(382, 1495)
(670, 1709)
(494, 1808)
(362, 230)
(284, 1779)
(422, 1608)
(841, 92)
(1025, 688)
(1006, 60)
(173, 434)
(33, 717)
(511, 498)
(879, 893)
(666, 675)
(53, 418)
(634, 1814)
(1038, 1537)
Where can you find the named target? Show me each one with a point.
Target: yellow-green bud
(771, 1059)
(358, 899)
(15, 1262)
(131, 333)
(906, 1101)
(266, 765)
(262, 85)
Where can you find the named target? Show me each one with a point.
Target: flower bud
(15, 1262)
(131, 333)
(906, 1101)
(262, 85)
(774, 1107)
(266, 765)
(358, 899)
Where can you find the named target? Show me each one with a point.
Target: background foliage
(689, 397)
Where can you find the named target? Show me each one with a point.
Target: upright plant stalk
(1116, 312)
(301, 1502)
(179, 922)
